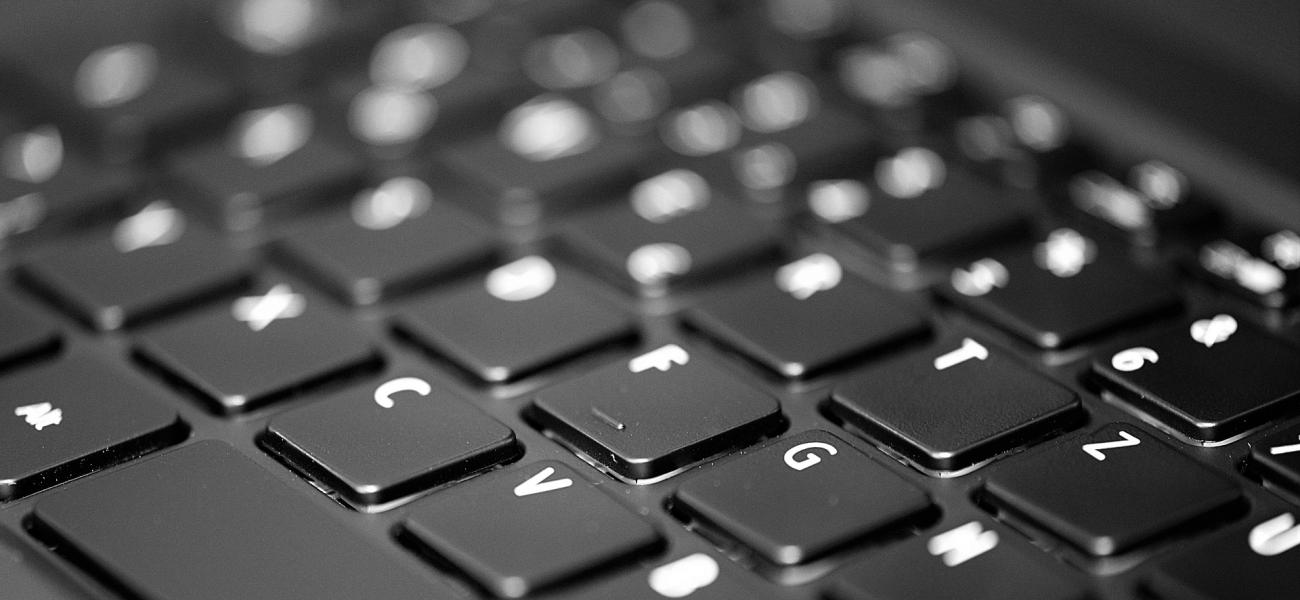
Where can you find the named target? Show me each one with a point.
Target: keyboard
(582, 299)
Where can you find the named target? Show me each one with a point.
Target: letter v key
(537, 484)
(1095, 449)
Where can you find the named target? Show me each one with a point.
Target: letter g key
(808, 459)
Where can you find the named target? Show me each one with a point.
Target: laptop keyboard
(578, 299)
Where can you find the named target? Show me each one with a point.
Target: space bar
(204, 522)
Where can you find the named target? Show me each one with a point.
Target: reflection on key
(391, 116)
(657, 29)
(778, 101)
(32, 156)
(274, 27)
(548, 128)
(266, 136)
(700, 130)
(420, 56)
(157, 224)
(116, 74)
(392, 203)
(571, 60)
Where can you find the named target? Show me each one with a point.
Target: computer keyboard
(583, 299)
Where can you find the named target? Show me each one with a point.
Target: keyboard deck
(580, 299)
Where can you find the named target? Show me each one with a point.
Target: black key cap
(1158, 206)
(394, 238)
(423, 82)
(911, 223)
(257, 349)
(661, 411)
(537, 315)
(970, 561)
(23, 332)
(673, 228)
(1277, 458)
(377, 443)
(954, 407)
(837, 494)
(697, 576)
(807, 316)
(1255, 263)
(1059, 291)
(65, 419)
(1261, 559)
(108, 75)
(273, 163)
(45, 187)
(151, 263)
(549, 154)
(525, 529)
(1111, 490)
(826, 142)
(1184, 376)
(205, 523)
(639, 94)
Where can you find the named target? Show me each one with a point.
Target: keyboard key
(1157, 205)
(1210, 378)
(65, 419)
(648, 417)
(1255, 263)
(375, 443)
(807, 316)
(1111, 490)
(153, 262)
(429, 68)
(105, 75)
(955, 406)
(697, 576)
(549, 153)
(256, 350)
(524, 316)
(634, 98)
(45, 187)
(394, 238)
(1059, 291)
(522, 530)
(779, 151)
(973, 561)
(673, 228)
(23, 332)
(908, 224)
(205, 523)
(1261, 557)
(1277, 458)
(274, 162)
(841, 496)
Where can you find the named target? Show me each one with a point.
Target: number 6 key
(1210, 379)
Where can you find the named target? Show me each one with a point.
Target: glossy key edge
(1050, 424)
(645, 472)
(169, 435)
(367, 500)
